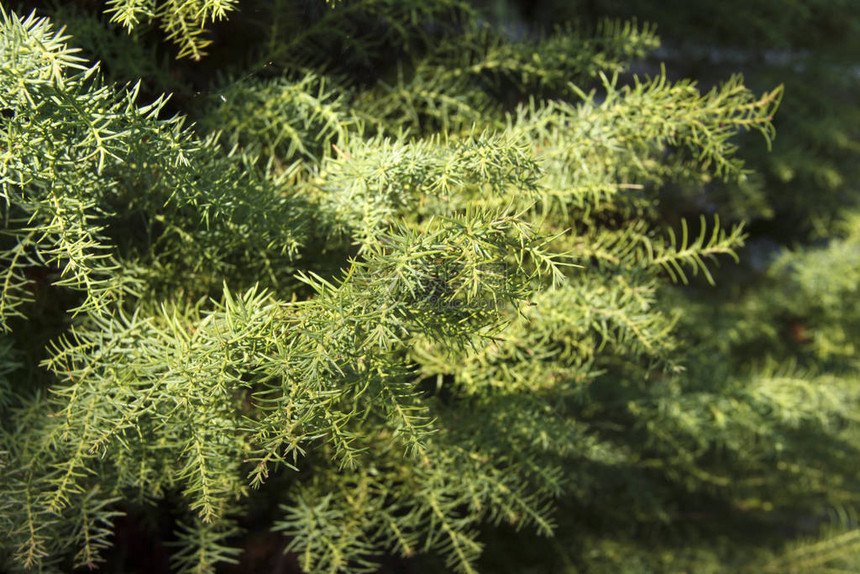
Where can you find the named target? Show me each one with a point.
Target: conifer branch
(385, 298)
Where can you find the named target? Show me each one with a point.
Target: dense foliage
(381, 281)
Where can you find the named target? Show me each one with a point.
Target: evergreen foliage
(183, 21)
(411, 283)
(811, 47)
